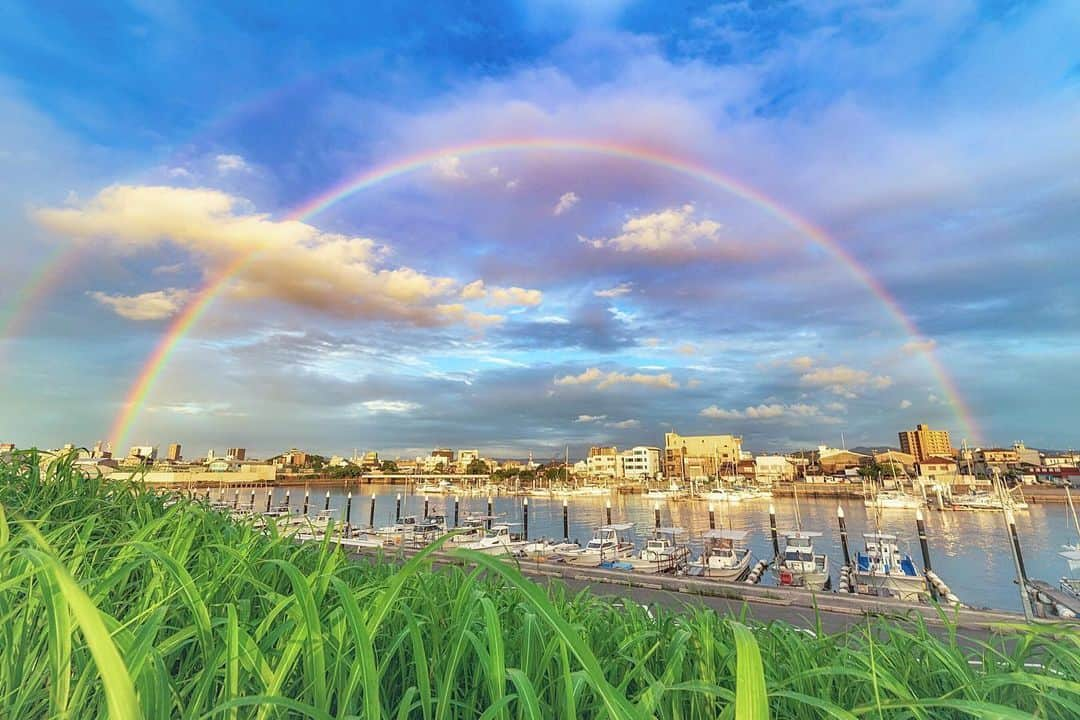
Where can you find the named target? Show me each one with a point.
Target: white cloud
(918, 346)
(514, 296)
(512, 184)
(762, 412)
(603, 380)
(231, 163)
(590, 418)
(803, 362)
(168, 269)
(670, 232)
(389, 406)
(836, 407)
(217, 409)
(449, 168)
(566, 201)
(843, 380)
(178, 172)
(652, 342)
(288, 261)
(474, 290)
(614, 292)
(624, 424)
(693, 383)
(156, 305)
(905, 404)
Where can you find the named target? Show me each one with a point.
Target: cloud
(624, 424)
(286, 260)
(216, 409)
(512, 184)
(590, 418)
(761, 412)
(614, 292)
(803, 362)
(843, 380)
(687, 349)
(156, 305)
(905, 404)
(566, 201)
(668, 232)
(231, 163)
(474, 290)
(603, 380)
(919, 346)
(389, 406)
(514, 296)
(168, 269)
(449, 168)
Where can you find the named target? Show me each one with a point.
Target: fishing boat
(496, 541)
(882, 570)
(725, 556)
(607, 543)
(471, 530)
(666, 551)
(544, 550)
(983, 500)
(893, 500)
(798, 564)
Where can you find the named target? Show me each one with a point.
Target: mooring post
(565, 520)
(924, 544)
(371, 514)
(772, 530)
(1014, 546)
(348, 513)
(491, 509)
(287, 491)
(525, 516)
(326, 505)
(269, 497)
(307, 498)
(712, 518)
(457, 508)
(607, 508)
(425, 506)
(843, 534)
(252, 499)
(236, 498)
(397, 510)
(656, 514)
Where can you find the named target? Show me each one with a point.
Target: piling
(252, 499)
(425, 506)
(1014, 546)
(457, 508)
(920, 525)
(326, 505)
(307, 498)
(236, 498)
(565, 520)
(772, 531)
(269, 497)
(525, 516)
(348, 513)
(940, 499)
(491, 509)
(656, 514)
(397, 510)
(607, 509)
(843, 534)
(371, 514)
(712, 518)
(286, 498)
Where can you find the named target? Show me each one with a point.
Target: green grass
(116, 603)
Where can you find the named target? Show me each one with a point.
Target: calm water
(968, 549)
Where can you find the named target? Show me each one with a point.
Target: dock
(1050, 601)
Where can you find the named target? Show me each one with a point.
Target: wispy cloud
(603, 380)
(155, 305)
(566, 202)
(617, 291)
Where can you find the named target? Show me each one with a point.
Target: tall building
(923, 443)
(700, 456)
(640, 463)
(174, 453)
(603, 463)
(236, 453)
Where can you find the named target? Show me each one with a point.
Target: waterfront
(968, 549)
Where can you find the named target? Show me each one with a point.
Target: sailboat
(896, 499)
(1071, 584)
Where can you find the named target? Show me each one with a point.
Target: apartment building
(922, 442)
(700, 457)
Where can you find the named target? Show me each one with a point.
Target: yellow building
(700, 456)
(923, 443)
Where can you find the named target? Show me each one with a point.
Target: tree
(477, 467)
(389, 466)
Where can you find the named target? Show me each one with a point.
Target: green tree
(477, 467)
(389, 466)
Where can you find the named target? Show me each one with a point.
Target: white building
(146, 453)
(640, 463)
(466, 458)
(773, 469)
(603, 464)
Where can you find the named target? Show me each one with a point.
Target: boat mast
(1072, 509)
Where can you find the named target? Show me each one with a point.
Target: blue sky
(523, 300)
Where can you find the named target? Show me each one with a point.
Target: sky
(800, 222)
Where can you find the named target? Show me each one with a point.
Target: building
(603, 464)
(938, 469)
(294, 458)
(700, 456)
(834, 460)
(236, 454)
(142, 453)
(7, 447)
(773, 469)
(640, 463)
(901, 462)
(922, 442)
(1026, 455)
(174, 453)
(465, 458)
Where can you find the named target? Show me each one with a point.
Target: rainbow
(183, 323)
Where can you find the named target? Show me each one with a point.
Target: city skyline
(591, 228)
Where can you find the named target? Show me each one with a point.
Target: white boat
(982, 500)
(547, 550)
(584, 491)
(444, 487)
(497, 541)
(799, 565)
(673, 492)
(882, 570)
(736, 494)
(1071, 584)
(893, 500)
(665, 551)
(471, 530)
(607, 543)
(725, 556)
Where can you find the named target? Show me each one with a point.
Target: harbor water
(969, 549)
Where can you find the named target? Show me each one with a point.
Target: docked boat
(983, 500)
(725, 556)
(1071, 583)
(893, 500)
(736, 494)
(497, 541)
(883, 570)
(607, 543)
(666, 551)
(471, 530)
(444, 487)
(547, 550)
(798, 564)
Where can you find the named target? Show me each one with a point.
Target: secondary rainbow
(182, 324)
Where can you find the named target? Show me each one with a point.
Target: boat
(673, 492)
(547, 550)
(584, 491)
(470, 530)
(882, 570)
(725, 556)
(736, 494)
(665, 551)
(893, 500)
(1071, 584)
(983, 500)
(444, 487)
(607, 543)
(496, 541)
(798, 564)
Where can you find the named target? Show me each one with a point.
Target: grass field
(117, 603)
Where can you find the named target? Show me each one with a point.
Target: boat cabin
(729, 544)
(882, 554)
